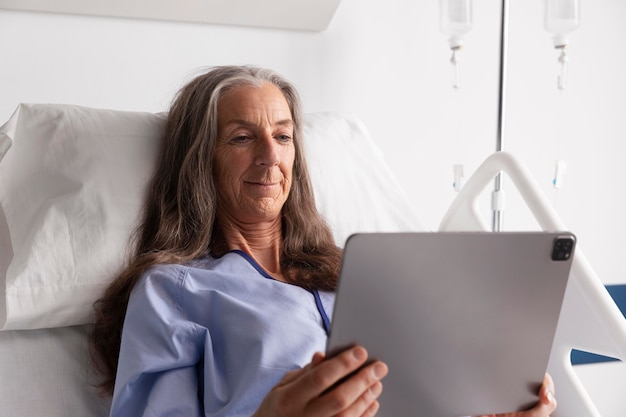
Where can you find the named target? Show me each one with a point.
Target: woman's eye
(284, 138)
(240, 139)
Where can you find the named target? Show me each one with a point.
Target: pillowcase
(355, 189)
(71, 186)
(72, 181)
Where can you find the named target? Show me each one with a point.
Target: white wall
(388, 63)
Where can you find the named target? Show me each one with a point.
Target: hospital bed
(71, 182)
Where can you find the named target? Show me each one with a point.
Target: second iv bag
(561, 18)
(455, 21)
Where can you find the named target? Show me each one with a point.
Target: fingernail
(379, 371)
(359, 353)
(376, 390)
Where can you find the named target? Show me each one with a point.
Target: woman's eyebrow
(286, 122)
(241, 122)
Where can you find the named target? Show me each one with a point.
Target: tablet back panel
(464, 320)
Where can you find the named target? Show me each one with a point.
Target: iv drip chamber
(455, 21)
(561, 18)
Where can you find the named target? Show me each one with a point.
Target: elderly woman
(224, 307)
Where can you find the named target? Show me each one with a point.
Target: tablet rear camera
(562, 248)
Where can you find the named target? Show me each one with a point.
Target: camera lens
(562, 248)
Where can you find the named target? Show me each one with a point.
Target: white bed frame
(590, 320)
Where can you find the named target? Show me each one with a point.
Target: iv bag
(455, 19)
(561, 18)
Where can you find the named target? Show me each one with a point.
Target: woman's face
(254, 154)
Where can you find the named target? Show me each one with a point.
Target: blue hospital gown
(213, 337)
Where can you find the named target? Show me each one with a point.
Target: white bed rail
(590, 320)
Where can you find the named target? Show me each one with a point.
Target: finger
(546, 393)
(547, 402)
(318, 357)
(367, 404)
(319, 378)
(372, 410)
(353, 396)
(540, 410)
(299, 387)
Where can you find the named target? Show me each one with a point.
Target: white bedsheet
(46, 372)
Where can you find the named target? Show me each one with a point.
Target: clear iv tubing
(455, 61)
(561, 18)
(455, 22)
(563, 58)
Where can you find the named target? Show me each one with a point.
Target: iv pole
(497, 197)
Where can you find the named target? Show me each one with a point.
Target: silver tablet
(464, 320)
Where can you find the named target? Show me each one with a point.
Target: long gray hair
(179, 220)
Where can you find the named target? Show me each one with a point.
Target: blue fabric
(212, 338)
(579, 357)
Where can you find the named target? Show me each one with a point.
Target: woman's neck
(262, 241)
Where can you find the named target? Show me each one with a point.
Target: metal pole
(497, 196)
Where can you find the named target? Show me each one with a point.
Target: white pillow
(355, 189)
(71, 186)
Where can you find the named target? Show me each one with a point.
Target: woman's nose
(268, 151)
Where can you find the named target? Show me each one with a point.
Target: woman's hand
(340, 386)
(545, 406)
